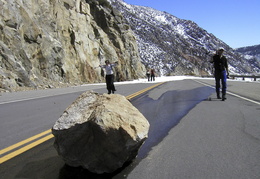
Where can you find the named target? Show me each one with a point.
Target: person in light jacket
(148, 74)
(109, 76)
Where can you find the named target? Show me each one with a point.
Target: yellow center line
(142, 91)
(24, 142)
(24, 149)
(41, 140)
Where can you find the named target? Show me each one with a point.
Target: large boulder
(100, 132)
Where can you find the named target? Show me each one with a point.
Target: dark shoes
(113, 91)
(224, 97)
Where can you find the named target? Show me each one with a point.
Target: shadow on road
(163, 114)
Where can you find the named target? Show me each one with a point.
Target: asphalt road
(214, 140)
(24, 114)
(250, 90)
(190, 136)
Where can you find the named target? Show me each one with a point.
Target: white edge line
(233, 94)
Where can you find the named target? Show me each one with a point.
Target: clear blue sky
(236, 22)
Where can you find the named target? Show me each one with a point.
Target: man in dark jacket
(221, 73)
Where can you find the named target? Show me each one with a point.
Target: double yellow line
(44, 136)
(142, 91)
(38, 141)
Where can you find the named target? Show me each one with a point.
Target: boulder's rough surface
(100, 132)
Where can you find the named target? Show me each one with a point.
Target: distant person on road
(220, 73)
(152, 75)
(109, 76)
(148, 74)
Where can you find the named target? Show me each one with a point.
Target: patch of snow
(161, 18)
(248, 57)
(181, 30)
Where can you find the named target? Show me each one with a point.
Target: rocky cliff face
(46, 43)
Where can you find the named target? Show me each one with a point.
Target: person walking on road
(148, 74)
(221, 73)
(152, 75)
(109, 76)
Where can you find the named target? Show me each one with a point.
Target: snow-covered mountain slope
(252, 54)
(174, 46)
(250, 51)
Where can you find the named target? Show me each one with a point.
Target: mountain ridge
(175, 46)
(253, 50)
(49, 44)
(251, 53)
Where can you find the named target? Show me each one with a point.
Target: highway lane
(214, 140)
(25, 114)
(163, 106)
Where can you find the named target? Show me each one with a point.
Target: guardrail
(236, 76)
(245, 76)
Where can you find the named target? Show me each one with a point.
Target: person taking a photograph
(221, 72)
(109, 76)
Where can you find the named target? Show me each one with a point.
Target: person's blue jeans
(221, 77)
